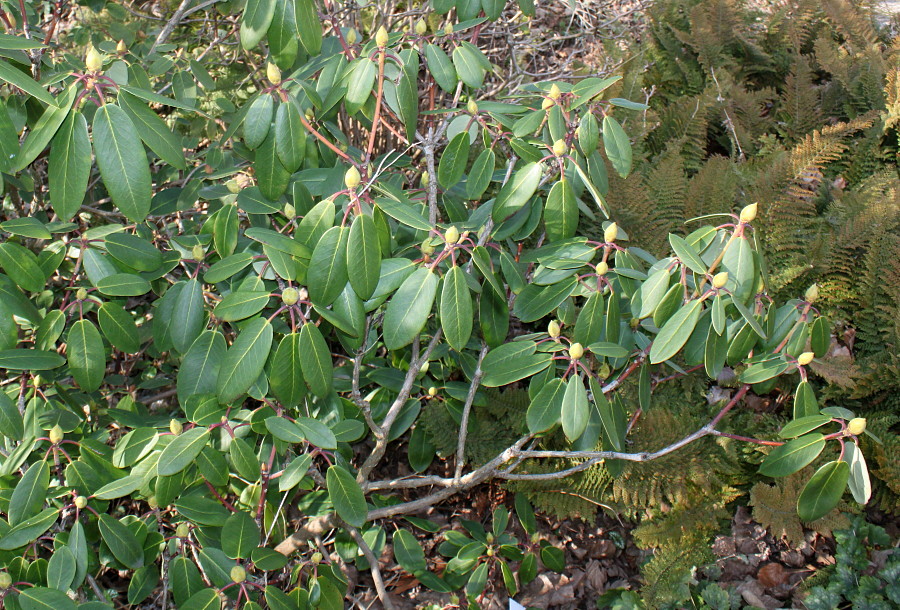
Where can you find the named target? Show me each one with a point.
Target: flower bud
(352, 36)
(198, 253)
(554, 92)
(381, 37)
(424, 368)
(289, 211)
(426, 178)
(720, 279)
(427, 247)
(273, 73)
(121, 49)
(472, 107)
(233, 187)
(448, 29)
(182, 530)
(611, 233)
(352, 178)
(559, 148)
(56, 434)
(92, 59)
(290, 296)
(805, 358)
(309, 114)
(175, 427)
(856, 426)
(152, 502)
(317, 558)
(81, 294)
(604, 370)
(602, 268)
(451, 236)
(553, 329)
(748, 214)
(490, 551)
(303, 294)
(547, 104)
(576, 351)
(432, 391)
(80, 502)
(812, 294)
(238, 574)
(421, 27)
(5, 580)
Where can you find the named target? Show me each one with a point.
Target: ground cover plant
(272, 293)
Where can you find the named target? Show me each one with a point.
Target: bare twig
(467, 408)
(373, 568)
(170, 25)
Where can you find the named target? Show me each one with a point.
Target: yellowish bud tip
(238, 574)
(547, 104)
(426, 178)
(81, 294)
(273, 73)
(472, 107)
(559, 148)
(720, 279)
(309, 114)
(381, 37)
(182, 530)
(290, 296)
(175, 427)
(424, 368)
(576, 351)
(121, 48)
(198, 253)
(80, 502)
(748, 214)
(317, 558)
(856, 426)
(553, 329)
(602, 268)
(611, 233)
(432, 391)
(812, 294)
(303, 294)
(805, 358)
(92, 59)
(5, 580)
(352, 36)
(554, 92)
(233, 187)
(56, 434)
(421, 27)
(427, 247)
(290, 212)
(448, 29)
(352, 178)
(451, 236)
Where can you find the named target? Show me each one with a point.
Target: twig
(373, 568)
(467, 408)
(170, 25)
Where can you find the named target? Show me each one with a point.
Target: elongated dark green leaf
(404, 212)
(286, 377)
(21, 265)
(859, 483)
(511, 362)
(749, 317)
(240, 535)
(561, 211)
(122, 162)
(19, 79)
(153, 131)
(119, 488)
(272, 176)
(315, 360)
(12, 424)
(245, 360)
(675, 332)
(44, 130)
(123, 285)
(43, 598)
(227, 267)
(687, 254)
(441, 68)
(290, 136)
(282, 35)
(69, 166)
(823, 491)
(317, 433)
(617, 146)
(327, 274)
(182, 451)
(480, 175)
(805, 403)
(255, 22)
(363, 256)
(87, 360)
(360, 82)
(205, 599)
(200, 366)
(763, 371)
(517, 191)
(133, 251)
(409, 308)
(536, 301)
(346, 496)
(652, 291)
(30, 492)
(457, 315)
(309, 26)
(546, 407)
(61, 569)
(285, 430)
(575, 408)
(28, 531)
(792, 456)
(258, 121)
(29, 359)
(453, 161)
(803, 425)
(468, 66)
(121, 541)
(240, 305)
(408, 552)
(820, 337)
(119, 328)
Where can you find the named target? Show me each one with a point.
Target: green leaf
(271, 175)
(29, 494)
(805, 403)
(363, 256)
(575, 409)
(121, 541)
(441, 68)
(453, 160)
(133, 251)
(404, 212)
(87, 359)
(119, 327)
(290, 136)
(29, 359)
(409, 308)
(134, 446)
(860, 485)
(517, 191)
(153, 131)
(19, 79)
(28, 531)
(143, 582)
(240, 305)
(537, 301)
(286, 376)
(480, 175)
(12, 424)
(749, 317)
(317, 433)
(43, 598)
(803, 425)
(792, 456)
(240, 535)
(327, 274)
(122, 162)
(123, 285)
(200, 366)
(360, 80)
(258, 121)
(205, 599)
(69, 166)
(119, 488)
(820, 337)
(182, 451)
(823, 491)
(675, 332)
(617, 146)
(546, 407)
(763, 371)
(26, 227)
(227, 267)
(285, 430)
(308, 25)
(511, 362)
(315, 360)
(61, 569)
(687, 255)
(9, 42)
(255, 22)
(408, 552)
(561, 211)
(346, 495)
(468, 66)
(21, 265)
(245, 360)
(652, 291)
(457, 313)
